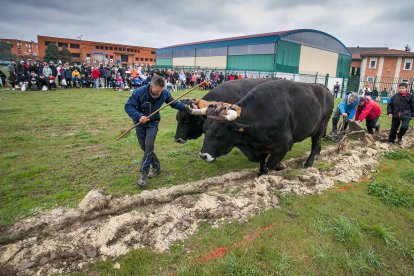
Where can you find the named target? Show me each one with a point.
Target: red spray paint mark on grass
(221, 251)
(349, 185)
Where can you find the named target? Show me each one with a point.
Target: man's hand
(143, 119)
(188, 109)
(390, 115)
(345, 114)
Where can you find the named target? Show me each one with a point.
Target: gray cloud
(160, 23)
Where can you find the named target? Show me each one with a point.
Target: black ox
(266, 122)
(191, 127)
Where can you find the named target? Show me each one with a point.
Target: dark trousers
(394, 128)
(335, 120)
(371, 124)
(146, 138)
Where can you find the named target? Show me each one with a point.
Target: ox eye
(218, 133)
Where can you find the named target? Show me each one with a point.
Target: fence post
(326, 80)
(316, 76)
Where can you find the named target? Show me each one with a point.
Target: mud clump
(69, 239)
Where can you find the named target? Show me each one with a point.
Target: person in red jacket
(95, 76)
(368, 109)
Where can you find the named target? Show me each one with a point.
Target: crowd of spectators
(37, 75)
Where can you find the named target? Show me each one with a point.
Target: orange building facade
(387, 68)
(22, 49)
(95, 53)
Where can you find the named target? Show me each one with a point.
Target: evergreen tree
(51, 52)
(65, 55)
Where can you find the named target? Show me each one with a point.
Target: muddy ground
(69, 239)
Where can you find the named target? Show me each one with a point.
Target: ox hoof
(308, 164)
(262, 172)
(181, 141)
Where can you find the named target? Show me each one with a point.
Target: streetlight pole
(80, 48)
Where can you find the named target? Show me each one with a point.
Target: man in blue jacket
(347, 108)
(140, 104)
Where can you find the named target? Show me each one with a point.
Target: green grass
(58, 145)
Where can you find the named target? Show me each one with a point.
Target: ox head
(188, 126)
(220, 130)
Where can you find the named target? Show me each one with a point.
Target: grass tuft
(389, 196)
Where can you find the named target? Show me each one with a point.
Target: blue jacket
(140, 103)
(346, 106)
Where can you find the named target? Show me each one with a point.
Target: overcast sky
(159, 23)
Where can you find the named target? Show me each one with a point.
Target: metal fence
(381, 86)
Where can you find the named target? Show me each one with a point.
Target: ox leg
(316, 149)
(275, 159)
(263, 169)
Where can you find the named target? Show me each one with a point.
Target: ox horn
(196, 112)
(231, 115)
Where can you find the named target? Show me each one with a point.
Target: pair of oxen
(261, 117)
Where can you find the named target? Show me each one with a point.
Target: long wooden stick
(158, 110)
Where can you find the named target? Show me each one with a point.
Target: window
(136, 59)
(106, 47)
(150, 59)
(76, 55)
(408, 64)
(62, 44)
(88, 55)
(370, 79)
(97, 47)
(404, 81)
(101, 47)
(116, 48)
(124, 58)
(111, 48)
(111, 57)
(46, 43)
(146, 59)
(372, 63)
(153, 52)
(74, 46)
(142, 59)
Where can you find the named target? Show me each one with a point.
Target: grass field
(56, 146)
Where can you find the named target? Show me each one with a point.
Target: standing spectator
(59, 73)
(401, 109)
(102, 77)
(2, 79)
(46, 71)
(368, 109)
(53, 68)
(67, 74)
(336, 89)
(21, 71)
(95, 77)
(366, 91)
(346, 108)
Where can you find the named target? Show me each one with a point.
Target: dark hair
(403, 84)
(158, 81)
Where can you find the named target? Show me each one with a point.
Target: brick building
(22, 49)
(94, 53)
(357, 59)
(384, 69)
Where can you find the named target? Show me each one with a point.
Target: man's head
(157, 85)
(51, 63)
(403, 87)
(362, 101)
(352, 97)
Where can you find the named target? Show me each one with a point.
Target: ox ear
(239, 127)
